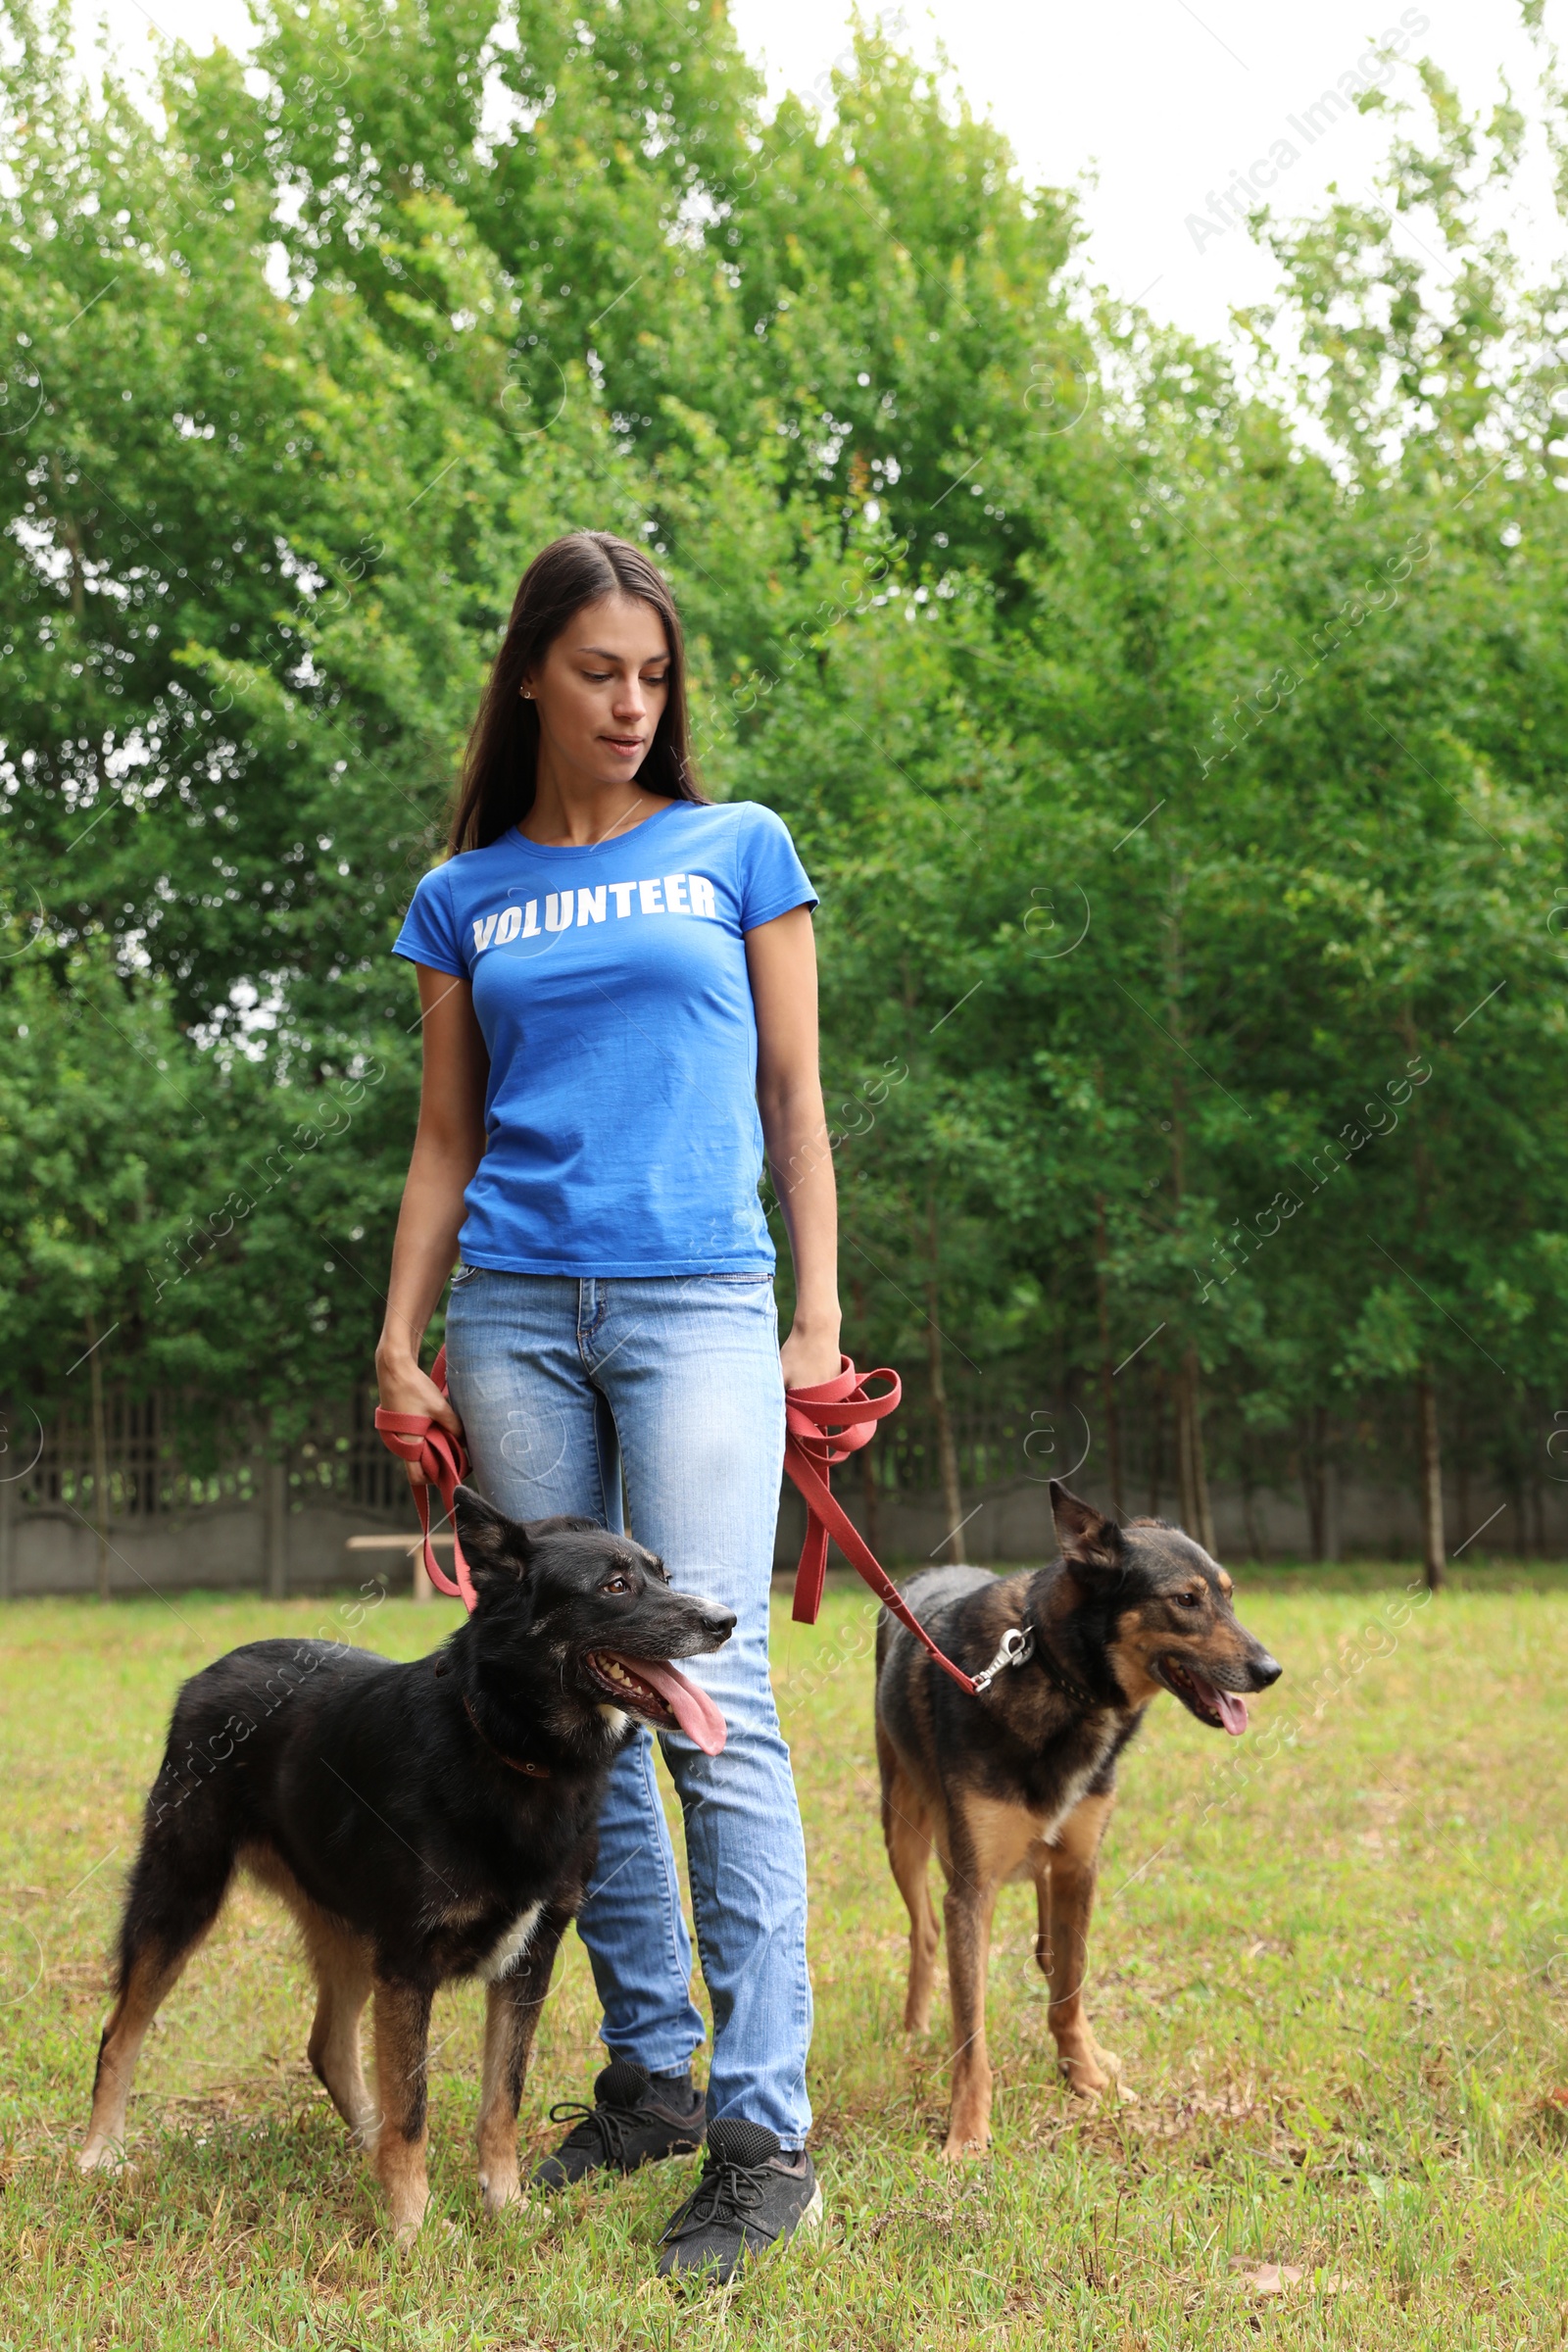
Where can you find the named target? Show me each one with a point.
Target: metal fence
(991, 1444)
(153, 1468)
(186, 1503)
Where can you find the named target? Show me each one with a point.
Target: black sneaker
(750, 2195)
(629, 2123)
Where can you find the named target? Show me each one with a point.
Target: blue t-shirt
(621, 1130)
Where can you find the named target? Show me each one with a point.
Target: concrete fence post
(8, 1538)
(274, 1493)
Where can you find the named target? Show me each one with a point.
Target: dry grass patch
(1335, 1965)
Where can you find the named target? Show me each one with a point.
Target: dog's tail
(192, 1831)
(193, 1825)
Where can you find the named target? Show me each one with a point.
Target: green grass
(1335, 1966)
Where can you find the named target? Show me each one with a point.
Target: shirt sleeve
(770, 877)
(429, 933)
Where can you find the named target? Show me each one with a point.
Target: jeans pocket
(465, 1274)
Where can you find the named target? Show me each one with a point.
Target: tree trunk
(1432, 1541)
(1185, 1488)
(1156, 1446)
(1193, 1477)
(8, 1529)
(1312, 1488)
(870, 1496)
(100, 1455)
(948, 1451)
(1317, 1473)
(274, 1491)
(1257, 1548)
(869, 1502)
(1252, 1520)
(1107, 1392)
(1192, 1480)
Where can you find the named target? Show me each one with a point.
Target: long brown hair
(499, 768)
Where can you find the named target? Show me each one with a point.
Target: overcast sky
(1162, 103)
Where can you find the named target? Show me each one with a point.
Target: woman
(617, 979)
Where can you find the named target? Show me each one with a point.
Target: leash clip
(1016, 1649)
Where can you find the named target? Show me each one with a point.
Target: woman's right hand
(402, 1388)
(447, 1150)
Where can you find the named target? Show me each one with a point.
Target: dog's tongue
(692, 1708)
(1232, 1711)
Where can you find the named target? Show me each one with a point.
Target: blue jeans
(567, 1388)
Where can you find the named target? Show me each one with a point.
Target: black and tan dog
(421, 1822)
(1018, 1782)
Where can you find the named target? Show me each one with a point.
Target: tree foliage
(1178, 755)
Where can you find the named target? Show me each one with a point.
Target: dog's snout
(719, 1623)
(1265, 1670)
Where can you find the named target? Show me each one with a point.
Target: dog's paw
(408, 2220)
(1088, 2069)
(408, 2212)
(499, 2189)
(966, 2146)
(106, 2157)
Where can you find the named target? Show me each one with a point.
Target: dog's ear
(492, 1545)
(1088, 1539)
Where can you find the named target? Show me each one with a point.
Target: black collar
(535, 1772)
(1051, 1667)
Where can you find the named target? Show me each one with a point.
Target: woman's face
(601, 690)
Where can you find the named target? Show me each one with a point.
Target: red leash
(416, 1438)
(823, 1426)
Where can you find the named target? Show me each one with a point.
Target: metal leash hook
(1017, 1648)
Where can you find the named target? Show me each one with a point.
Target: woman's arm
(447, 1150)
(781, 957)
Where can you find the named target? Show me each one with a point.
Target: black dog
(1019, 1781)
(421, 1822)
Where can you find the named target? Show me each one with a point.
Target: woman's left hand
(808, 1359)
